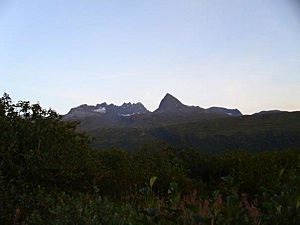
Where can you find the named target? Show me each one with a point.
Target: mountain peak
(169, 97)
(170, 104)
(108, 110)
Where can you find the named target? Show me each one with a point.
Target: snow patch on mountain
(129, 114)
(100, 110)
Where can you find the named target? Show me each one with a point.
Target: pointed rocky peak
(170, 104)
(126, 104)
(104, 104)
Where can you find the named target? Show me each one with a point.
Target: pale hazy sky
(233, 53)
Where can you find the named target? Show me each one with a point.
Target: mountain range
(216, 129)
(170, 111)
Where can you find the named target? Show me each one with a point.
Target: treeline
(49, 175)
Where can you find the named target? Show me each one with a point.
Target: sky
(234, 53)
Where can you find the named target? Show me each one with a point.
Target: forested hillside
(252, 133)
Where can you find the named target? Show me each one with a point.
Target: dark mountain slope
(221, 110)
(253, 133)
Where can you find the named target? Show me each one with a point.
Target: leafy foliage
(37, 150)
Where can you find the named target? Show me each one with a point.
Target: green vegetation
(49, 175)
(251, 133)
